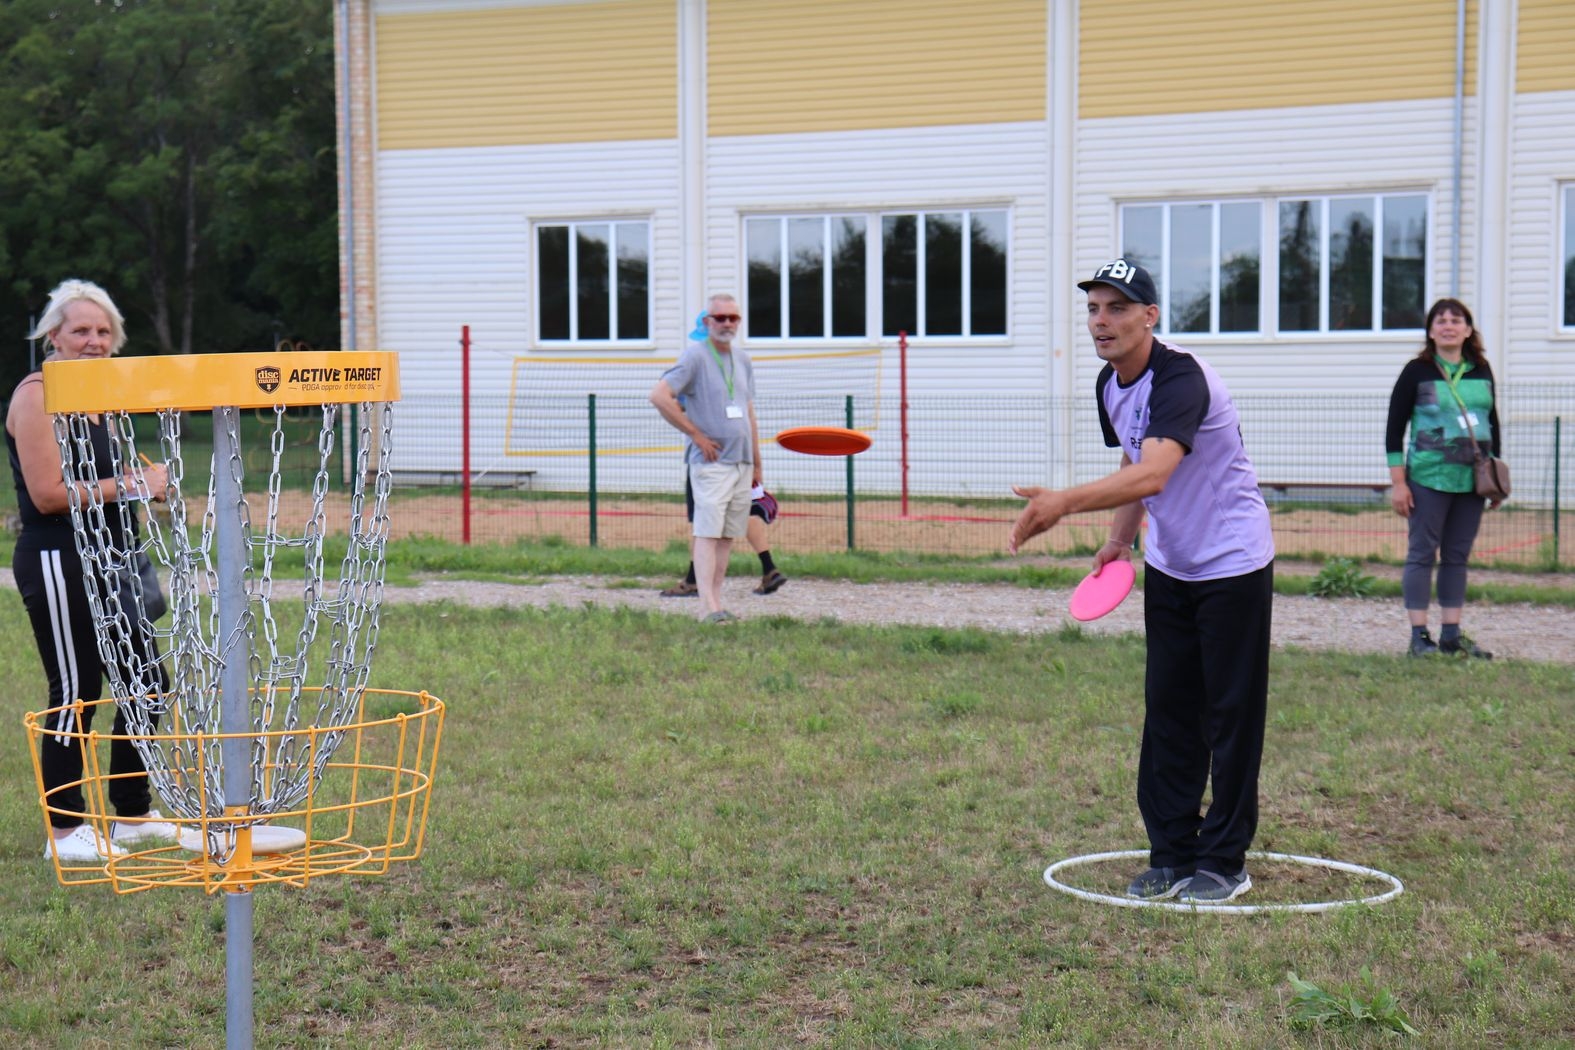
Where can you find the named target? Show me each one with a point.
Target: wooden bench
(503, 479)
(1285, 488)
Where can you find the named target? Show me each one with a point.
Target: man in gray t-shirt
(1208, 587)
(716, 382)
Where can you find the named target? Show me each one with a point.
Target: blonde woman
(80, 322)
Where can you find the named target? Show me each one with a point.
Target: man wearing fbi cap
(1207, 586)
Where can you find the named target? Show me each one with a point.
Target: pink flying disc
(1103, 590)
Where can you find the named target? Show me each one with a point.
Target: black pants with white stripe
(1206, 701)
(50, 581)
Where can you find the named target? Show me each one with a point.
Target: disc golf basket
(274, 761)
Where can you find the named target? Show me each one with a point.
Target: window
(805, 276)
(1567, 254)
(1345, 264)
(1353, 264)
(593, 281)
(1205, 258)
(944, 273)
(940, 273)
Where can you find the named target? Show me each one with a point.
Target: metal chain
(286, 761)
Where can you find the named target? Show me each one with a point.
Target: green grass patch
(647, 833)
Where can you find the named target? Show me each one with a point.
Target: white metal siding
(1543, 160)
(455, 248)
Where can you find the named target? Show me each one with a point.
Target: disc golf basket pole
(267, 761)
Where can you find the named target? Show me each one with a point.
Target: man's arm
(667, 405)
(754, 445)
(1129, 484)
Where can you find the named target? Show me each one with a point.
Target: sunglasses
(726, 318)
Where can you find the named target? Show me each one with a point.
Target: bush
(1341, 578)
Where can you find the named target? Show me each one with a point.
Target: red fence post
(902, 370)
(464, 431)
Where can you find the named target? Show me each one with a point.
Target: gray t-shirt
(701, 383)
(1210, 522)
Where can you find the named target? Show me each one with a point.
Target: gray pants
(1443, 528)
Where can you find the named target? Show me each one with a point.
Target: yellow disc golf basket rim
(367, 812)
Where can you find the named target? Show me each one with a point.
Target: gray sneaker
(1210, 887)
(1156, 884)
(1463, 646)
(1423, 645)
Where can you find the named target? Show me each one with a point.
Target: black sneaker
(1463, 647)
(1156, 884)
(1210, 887)
(1423, 645)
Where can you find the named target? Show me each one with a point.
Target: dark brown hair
(1472, 350)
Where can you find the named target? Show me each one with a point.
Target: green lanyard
(727, 373)
(1452, 379)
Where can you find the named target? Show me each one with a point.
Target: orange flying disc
(823, 441)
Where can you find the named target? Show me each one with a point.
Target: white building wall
(1544, 161)
(455, 248)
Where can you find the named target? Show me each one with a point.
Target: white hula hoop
(1395, 886)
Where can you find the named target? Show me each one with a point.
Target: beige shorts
(721, 498)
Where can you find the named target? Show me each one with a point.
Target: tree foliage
(182, 154)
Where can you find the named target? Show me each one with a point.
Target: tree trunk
(158, 285)
(189, 281)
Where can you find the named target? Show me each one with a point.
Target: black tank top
(41, 530)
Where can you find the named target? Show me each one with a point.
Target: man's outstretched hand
(1045, 508)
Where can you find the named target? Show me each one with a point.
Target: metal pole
(1459, 144)
(902, 363)
(1558, 452)
(849, 414)
(464, 432)
(590, 410)
(234, 714)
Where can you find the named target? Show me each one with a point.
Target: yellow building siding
(1545, 60)
(1163, 56)
(528, 75)
(781, 66)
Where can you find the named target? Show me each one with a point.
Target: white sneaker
(133, 831)
(81, 846)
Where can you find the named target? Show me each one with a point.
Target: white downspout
(1060, 326)
(1495, 109)
(1459, 144)
(691, 145)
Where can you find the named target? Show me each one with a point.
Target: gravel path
(1527, 632)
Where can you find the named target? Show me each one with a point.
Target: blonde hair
(72, 290)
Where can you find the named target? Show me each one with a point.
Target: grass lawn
(647, 833)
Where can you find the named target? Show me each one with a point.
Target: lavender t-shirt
(1210, 521)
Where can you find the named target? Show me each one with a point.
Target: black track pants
(1207, 685)
(50, 581)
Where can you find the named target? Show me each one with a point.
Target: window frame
(921, 268)
(1163, 281)
(612, 222)
(1269, 322)
(874, 274)
(1376, 282)
(784, 276)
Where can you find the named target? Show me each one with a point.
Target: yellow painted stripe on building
(528, 75)
(1545, 59)
(1147, 57)
(781, 66)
